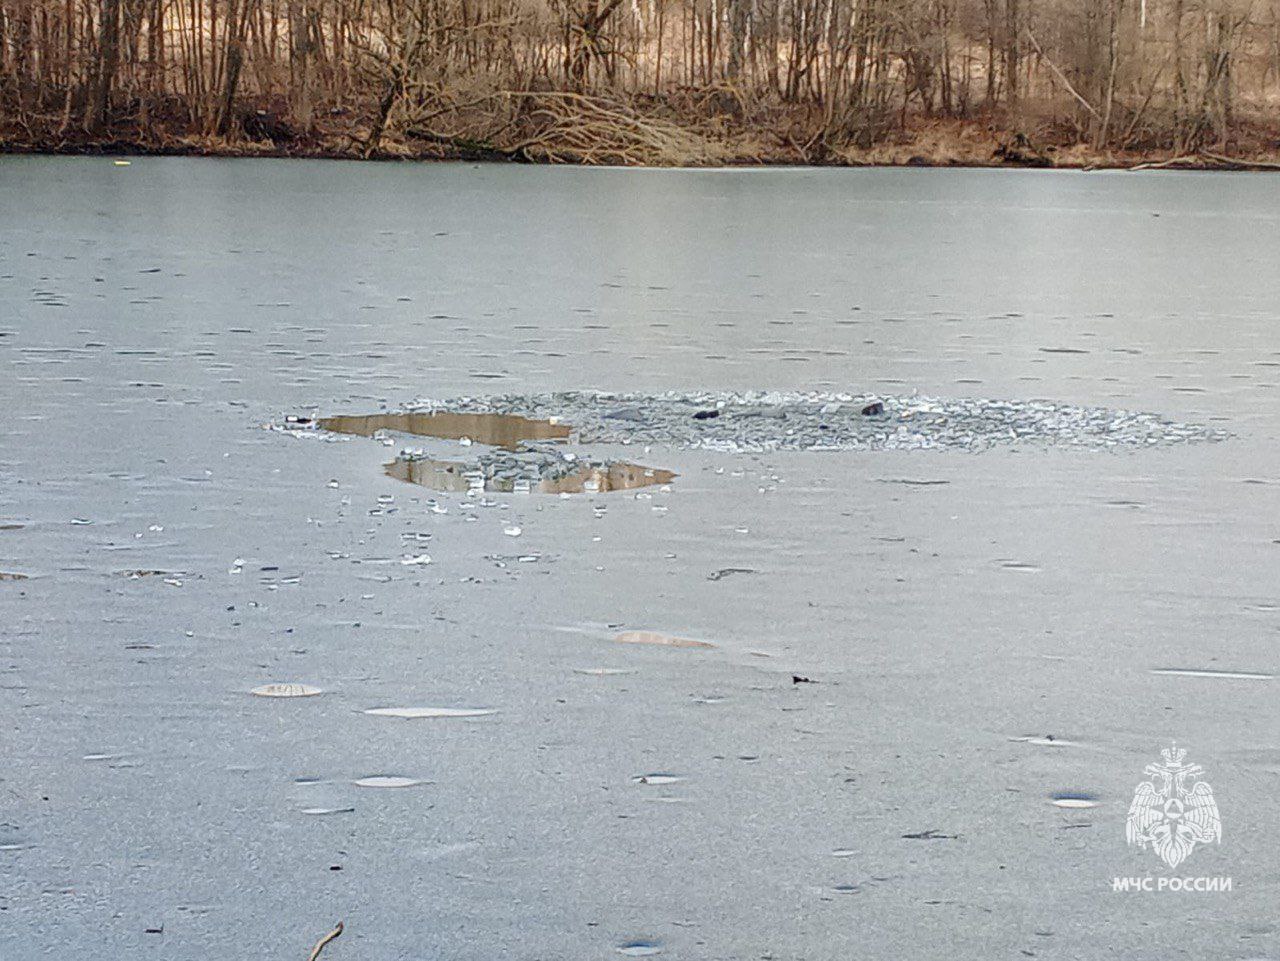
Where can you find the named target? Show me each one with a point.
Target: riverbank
(980, 142)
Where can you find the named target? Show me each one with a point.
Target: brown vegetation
(1041, 82)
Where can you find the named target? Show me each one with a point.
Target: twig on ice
(315, 952)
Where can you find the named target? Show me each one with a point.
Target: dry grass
(684, 129)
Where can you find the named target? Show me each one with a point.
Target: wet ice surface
(982, 633)
(497, 430)
(524, 455)
(543, 471)
(529, 456)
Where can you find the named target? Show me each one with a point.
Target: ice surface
(982, 631)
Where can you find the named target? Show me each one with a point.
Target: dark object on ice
(873, 409)
(726, 571)
(298, 419)
(706, 414)
(933, 834)
(797, 679)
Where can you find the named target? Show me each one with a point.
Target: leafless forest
(649, 81)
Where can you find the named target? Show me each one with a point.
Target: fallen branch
(1241, 164)
(315, 952)
(1180, 161)
(1206, 158)
(572, 127)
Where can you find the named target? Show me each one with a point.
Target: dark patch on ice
(932, 834)
(640, 948)
(1073, 799)
(1020, 567)
(728, 572)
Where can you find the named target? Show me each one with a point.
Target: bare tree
(509, 76)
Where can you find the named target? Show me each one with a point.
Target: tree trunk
(1011, 52)
(104, 70)
(226, 113)
(300, 64)
(739, 17)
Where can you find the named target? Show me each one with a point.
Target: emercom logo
(1173, 814)
(1170, 816)
(1170, 884)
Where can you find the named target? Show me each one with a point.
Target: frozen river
(985, 633)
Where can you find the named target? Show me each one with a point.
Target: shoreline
(127, 149)
(950, 145)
